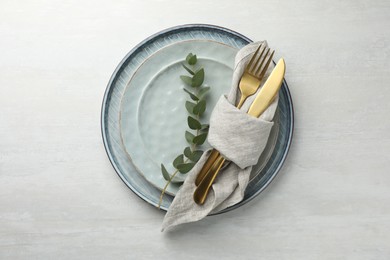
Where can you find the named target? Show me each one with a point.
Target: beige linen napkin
(240, 138)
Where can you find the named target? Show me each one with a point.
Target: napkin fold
(240, 138)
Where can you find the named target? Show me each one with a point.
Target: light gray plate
(117, 105)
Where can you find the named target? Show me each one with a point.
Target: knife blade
(261, 102)
(269, 90)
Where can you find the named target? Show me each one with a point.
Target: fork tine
(253, 58)
(264, 70)
(261, 58)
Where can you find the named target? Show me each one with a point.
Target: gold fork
(249, 84)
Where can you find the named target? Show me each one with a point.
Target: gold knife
(263, 99)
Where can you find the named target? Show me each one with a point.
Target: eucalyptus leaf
(185, 167)
(187, 152)
(205, 128)
(167, 176)
(188, 69)
(190, 107)
(178, 160)
(198, 78)
(192, 96)
(195, 156)
(191, 59)
(189, 56)
(193, 123)
(186, 79)
(200, 139)
(200, 108)
(165, 173)
(189, 137)
(203, 91)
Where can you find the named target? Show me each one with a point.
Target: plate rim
(120, 66)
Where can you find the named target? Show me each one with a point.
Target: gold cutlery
(249, 84)
(263, 99)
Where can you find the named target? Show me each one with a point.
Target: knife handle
(203, 188)
(206, 167)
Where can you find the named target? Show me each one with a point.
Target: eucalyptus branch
(196, 107)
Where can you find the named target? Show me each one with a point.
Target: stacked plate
(143, 113)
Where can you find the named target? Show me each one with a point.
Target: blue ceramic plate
(153, 119)
(144, 93)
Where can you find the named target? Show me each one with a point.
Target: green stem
(167, 184)
(197, 117)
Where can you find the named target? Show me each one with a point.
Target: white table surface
(60, 198)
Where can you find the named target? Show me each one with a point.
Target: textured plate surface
(116, 89)
(153, 117)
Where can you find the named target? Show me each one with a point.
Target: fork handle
(242, 100)
(203, 189)
(206, 167)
